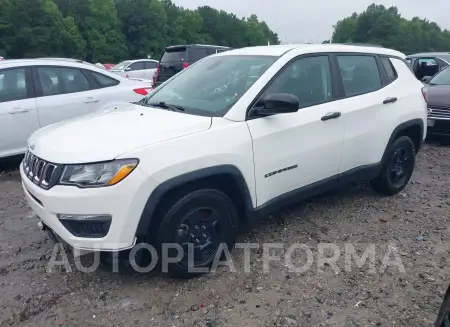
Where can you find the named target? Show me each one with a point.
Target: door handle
(90, 100)
(18, 110)
(331, 115)
(389, 100)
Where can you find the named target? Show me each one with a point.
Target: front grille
(436, 112)
(41, 172)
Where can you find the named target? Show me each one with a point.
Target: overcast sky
(312, 21)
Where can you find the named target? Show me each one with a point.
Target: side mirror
(127, 69)
(277, 103)
(426, 79)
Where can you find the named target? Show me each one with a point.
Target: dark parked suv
(438, 98)
(178, 57)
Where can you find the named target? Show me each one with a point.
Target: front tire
(201, 220)
(397, 168)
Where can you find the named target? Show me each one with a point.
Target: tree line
(386, 27)
(113, 30)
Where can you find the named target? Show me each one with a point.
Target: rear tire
(202, 219)
(397, 168)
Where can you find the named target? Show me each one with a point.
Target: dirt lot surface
(416, 222)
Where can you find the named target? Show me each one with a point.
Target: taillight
(157, 70)
(126, 75)
(185, 65)
(142, 90)
(425, 94)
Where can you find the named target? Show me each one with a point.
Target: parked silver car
(141, 68)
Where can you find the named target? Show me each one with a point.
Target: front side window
(137, 65)
(121, 66)
(360, 74)
(213, 85)
(13, 85)
(104, 81)
(62, 80)
(309, 79)
(442, 78)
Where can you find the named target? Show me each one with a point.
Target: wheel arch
(412, 128)
(227, 178)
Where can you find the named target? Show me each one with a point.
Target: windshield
(121, 66)
(212, 85)
(174, 55)
(442, 78)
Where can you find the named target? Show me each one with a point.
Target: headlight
(98, 174)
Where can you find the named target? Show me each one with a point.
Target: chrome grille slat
(435, 112)
(39, 171)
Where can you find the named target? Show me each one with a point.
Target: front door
(137, 70)
(294, 150)
(18, 114)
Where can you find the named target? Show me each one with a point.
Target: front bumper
(124, 202)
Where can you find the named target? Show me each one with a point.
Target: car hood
(439, 95)
(106, 134)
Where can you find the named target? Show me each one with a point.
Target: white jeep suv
(215, 147)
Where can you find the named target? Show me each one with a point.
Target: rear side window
(174, 55)
(104, 81)
(196, 54)
(13, 85)
(360, 74)
(389, 69)
(151, 65)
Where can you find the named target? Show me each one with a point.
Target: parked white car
(38, 92)
(140, 68)
(222, 144)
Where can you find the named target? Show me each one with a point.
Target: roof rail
(364, 45)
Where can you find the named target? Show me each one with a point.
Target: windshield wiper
(164, 105)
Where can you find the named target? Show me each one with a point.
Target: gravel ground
(415, 222)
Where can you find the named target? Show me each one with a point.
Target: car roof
(442, 55)
(10, 63)
(138, 60)
(198, 46)
(428, 54)
(279, 50)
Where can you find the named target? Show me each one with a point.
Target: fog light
(90, 226)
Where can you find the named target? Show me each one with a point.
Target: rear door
(63, 93)
(150, 69)
(18, 113)
(174, 60)
(369, 95)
